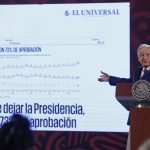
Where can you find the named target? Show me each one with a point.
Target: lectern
(139, 114)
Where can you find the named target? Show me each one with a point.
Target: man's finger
(103, 72)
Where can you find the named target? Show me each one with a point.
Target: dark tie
(145, 74)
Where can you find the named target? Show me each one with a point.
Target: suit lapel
(137, 75)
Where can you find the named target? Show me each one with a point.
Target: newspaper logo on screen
(92, 12)
(141, 90)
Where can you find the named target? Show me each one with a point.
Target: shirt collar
(148, 68)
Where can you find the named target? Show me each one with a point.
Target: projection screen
(51, 56)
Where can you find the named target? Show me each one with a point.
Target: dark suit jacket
(114, 80)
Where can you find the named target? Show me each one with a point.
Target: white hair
(142, 46)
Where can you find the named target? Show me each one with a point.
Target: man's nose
(145, 57)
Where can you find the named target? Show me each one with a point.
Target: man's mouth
(145, 61)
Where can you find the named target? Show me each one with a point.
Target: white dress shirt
(142, 73)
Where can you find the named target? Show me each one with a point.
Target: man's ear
(138, 58)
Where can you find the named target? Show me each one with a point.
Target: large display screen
(51, 57)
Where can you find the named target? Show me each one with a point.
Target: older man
(142, 72)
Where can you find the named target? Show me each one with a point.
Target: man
(142, 72)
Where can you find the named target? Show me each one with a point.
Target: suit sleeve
(114, 80)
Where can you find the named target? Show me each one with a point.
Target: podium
(139, 114)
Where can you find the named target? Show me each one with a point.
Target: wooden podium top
(124, 95)
(124, 90)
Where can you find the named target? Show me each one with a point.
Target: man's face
(144, 56)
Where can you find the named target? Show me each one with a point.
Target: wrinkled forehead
(143, 50)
